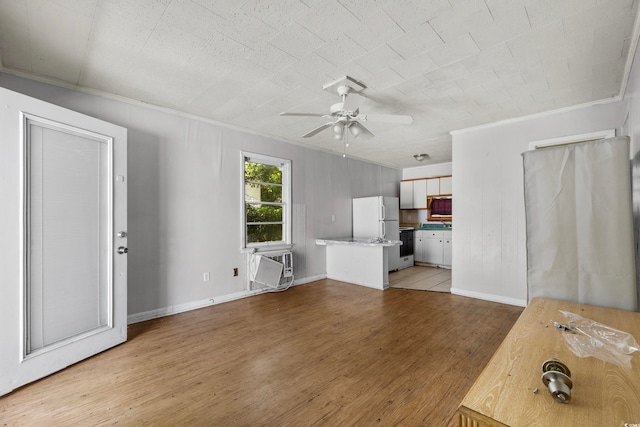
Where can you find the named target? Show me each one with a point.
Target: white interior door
(63, 257)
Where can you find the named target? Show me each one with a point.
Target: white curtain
(580, 243)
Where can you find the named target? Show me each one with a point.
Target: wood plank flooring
(323, 353)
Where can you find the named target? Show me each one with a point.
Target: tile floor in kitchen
(421, 279)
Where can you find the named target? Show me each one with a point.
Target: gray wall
(184, 198)
(632, 128)
(489, 249)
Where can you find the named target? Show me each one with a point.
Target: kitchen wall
(184, 199)
(427, 171)
(413, 216)
(489, 250)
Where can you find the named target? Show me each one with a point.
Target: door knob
(123, 250)
(557, 377)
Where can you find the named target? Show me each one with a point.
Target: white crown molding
(635, 34)
(167, 110)
(612, 100)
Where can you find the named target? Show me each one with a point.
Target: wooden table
(603, 394)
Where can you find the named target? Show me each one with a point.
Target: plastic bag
(590, 338)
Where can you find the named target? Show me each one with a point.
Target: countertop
(356, 241)
(427, 226)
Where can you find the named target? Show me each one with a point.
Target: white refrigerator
(378, 217)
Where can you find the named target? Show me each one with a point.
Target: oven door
(406, 249)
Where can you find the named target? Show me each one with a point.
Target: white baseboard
(193, 305)
(309, 279)
(489, 297)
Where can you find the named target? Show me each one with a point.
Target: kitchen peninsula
(359, 261)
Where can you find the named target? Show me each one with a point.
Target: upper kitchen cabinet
(413, 194)
(420, 194)
(446, 185)
(406, 194)
(433, 187)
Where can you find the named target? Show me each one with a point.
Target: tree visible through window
(265, 200)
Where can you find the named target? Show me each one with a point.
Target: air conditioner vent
(272, 269)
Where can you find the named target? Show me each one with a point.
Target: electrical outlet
(205, 277)
(235, 271)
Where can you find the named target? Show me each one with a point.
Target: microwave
(441, 206)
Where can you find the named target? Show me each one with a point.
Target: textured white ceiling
(450, 64)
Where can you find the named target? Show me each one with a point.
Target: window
(266, 200)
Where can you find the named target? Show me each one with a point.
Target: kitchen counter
(357, 242)
(435, 227)
(359, 261)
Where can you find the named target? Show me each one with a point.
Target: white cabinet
(420, 194)
(446, 250)
(446, 186)
(433, 247)
(406, 194)
(433, 187)
(418, 246)
(413, 194)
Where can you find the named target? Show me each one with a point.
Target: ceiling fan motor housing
(344, 90)
(344, 119)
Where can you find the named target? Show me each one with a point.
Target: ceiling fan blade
(317, 130)
(336, 107)
(304, 114)
(386, 118)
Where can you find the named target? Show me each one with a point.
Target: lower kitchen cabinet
(418, 246)
(433, 247)
(446, 250)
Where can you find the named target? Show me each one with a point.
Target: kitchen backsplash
(413, 216)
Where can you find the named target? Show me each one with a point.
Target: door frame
(25, 118)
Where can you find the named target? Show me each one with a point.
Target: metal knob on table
(557, 377)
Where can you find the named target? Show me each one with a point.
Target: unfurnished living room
(239, 213)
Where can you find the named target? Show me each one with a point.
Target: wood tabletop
(603, 394)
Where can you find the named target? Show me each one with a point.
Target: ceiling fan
(344, 118)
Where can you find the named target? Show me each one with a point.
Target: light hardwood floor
(421, 279)
(323, 353)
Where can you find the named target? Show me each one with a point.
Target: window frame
(572, 139)
(285, 166)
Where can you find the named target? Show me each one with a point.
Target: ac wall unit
(272, 269)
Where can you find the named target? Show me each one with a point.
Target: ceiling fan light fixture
(338, 128)
(420, 157)
(337, 137)
(355, 129)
